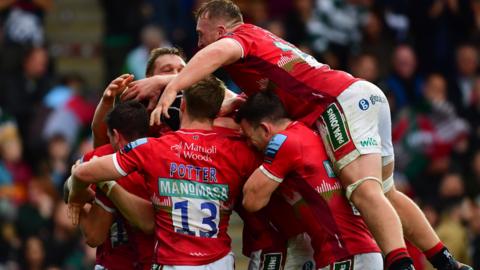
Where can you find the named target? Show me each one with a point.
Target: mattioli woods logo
(194, 151)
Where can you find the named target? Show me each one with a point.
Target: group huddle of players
(304, 156)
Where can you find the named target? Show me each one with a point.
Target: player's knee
(364, 189)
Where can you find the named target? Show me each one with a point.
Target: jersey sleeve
(281, 156)
(104, 202)
(243, 40)
(133, 157)
(135, 184)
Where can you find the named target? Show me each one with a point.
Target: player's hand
(231, 104)
(145, 89)
(117, 86)
(67, 186)
(76, 200)
(167, 98)
(78, 196)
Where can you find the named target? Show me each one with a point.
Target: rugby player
(119, 244)
(261, 242)
(352, 116)
(195, 176)
(340, 238)
(125, 243)
(162, 61)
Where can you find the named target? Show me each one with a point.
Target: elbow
(147, 223)
(82, 175)
(94, 240)
(93, 243)
(148, 227)
(252, 205)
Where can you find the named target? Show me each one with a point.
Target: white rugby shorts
(357, 123)
(225, 263)
(364, 261)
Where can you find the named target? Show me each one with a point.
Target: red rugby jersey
(304, 85)
(126, 245)
(270, 228)
(196, 177)
(336, 228)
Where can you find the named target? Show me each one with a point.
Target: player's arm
(147, 89)
(222, 52)
(95, 223)
(138, 211)
(97, 170)
(99, 127)
(258, 189)
(206, 61)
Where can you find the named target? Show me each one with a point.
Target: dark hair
(260, 107)
(205, 98)
(155, 53)
(130, 119)
(224, 9)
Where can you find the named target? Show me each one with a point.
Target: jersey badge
(328, 168)
(131, 145)
(273, 147)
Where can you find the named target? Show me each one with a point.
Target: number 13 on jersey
(196, 217)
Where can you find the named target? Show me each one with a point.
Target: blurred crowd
(423, 54)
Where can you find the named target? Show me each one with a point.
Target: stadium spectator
(296, 20)
(461, 86)
(377, 41)
(404, 85)
(365, 66)
(151, 37)
(23, 91)
(439, 27)
(450, 228)
(336, 27)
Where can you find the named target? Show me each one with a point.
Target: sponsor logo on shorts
(273, 147)
(363, 104)
(376, 98)
(344, 265)
(336, 128)
(369, 142)
(272, 261)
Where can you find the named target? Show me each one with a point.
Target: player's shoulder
(135, 144)
(289, 140)
(299, 131)
(103, 150)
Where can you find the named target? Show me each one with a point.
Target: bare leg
(377, 212)
(415, 225)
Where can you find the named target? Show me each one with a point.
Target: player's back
(195, 176)
(336, 228)
(295, 76)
